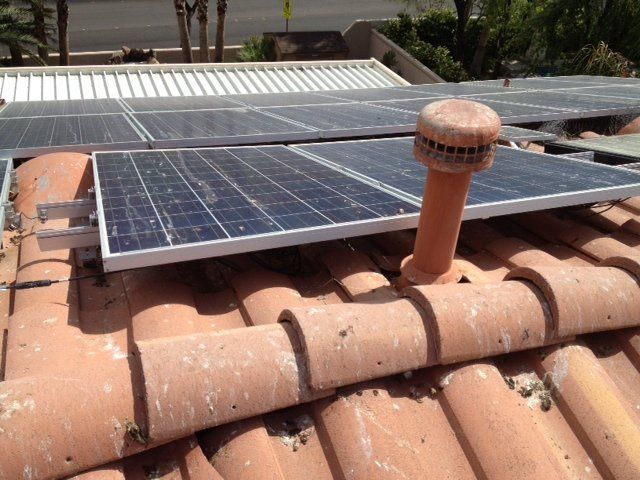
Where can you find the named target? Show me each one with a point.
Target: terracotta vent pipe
(454, 138)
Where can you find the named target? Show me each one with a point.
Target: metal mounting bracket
(76, 237)
(70, 209)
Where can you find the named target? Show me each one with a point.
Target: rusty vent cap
(457, 135)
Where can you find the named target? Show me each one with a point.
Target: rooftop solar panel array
(163, 206)
(518, 181)
(31, 128)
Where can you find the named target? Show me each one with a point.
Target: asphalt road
(108, 24)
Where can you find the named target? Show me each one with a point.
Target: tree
(62, 7)
(185, 41)
(40, 14)
(565, 26)
(222, 13)
(203, 29)
(463, 9)
(191, 10)
(16, 33)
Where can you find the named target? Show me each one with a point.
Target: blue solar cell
(169, 199)
(347, 119)
(169, 104)
(516, 175)
(217, 127)
(49, 108)
(32, 136)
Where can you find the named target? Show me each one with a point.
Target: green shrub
(257, 49)
(400, 30)
(437, 27)
(438, 59)
(600, 60)
(429, 38)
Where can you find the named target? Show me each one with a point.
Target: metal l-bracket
(76, 237)
(70, 209)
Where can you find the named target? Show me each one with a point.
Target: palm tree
(40, 27)
(16, 33)
(185, 41)
(191, 10)
(62, 7)
(222, 13)
(203, 21)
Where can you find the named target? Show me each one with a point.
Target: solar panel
(517, 134)
(519, 180)
(281, 99)
(27, 137)
(165, 206)
(376, 94)
(348, 119)
(602, 79)
(459, 89)
(414, 105)
(622, 91)
(508, 112)
(580, 105)
(60, 107)
(619, 145)
(169, 104)
(540, 83)
(218, 127)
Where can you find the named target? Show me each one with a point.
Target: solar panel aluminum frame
(525, 135)
(496, 209)
(5, 191)
(231, 246)
(83, 148)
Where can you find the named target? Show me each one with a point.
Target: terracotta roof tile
(604, 422)
(98, 370)
(487, 414)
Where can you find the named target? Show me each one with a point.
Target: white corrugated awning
(125, 81)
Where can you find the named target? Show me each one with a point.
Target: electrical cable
(28, 217)
(47, 282)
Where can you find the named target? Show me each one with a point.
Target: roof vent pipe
(454, 138)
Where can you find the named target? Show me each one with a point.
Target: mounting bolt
(93, 219)
(42, 215)
(454, 138)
